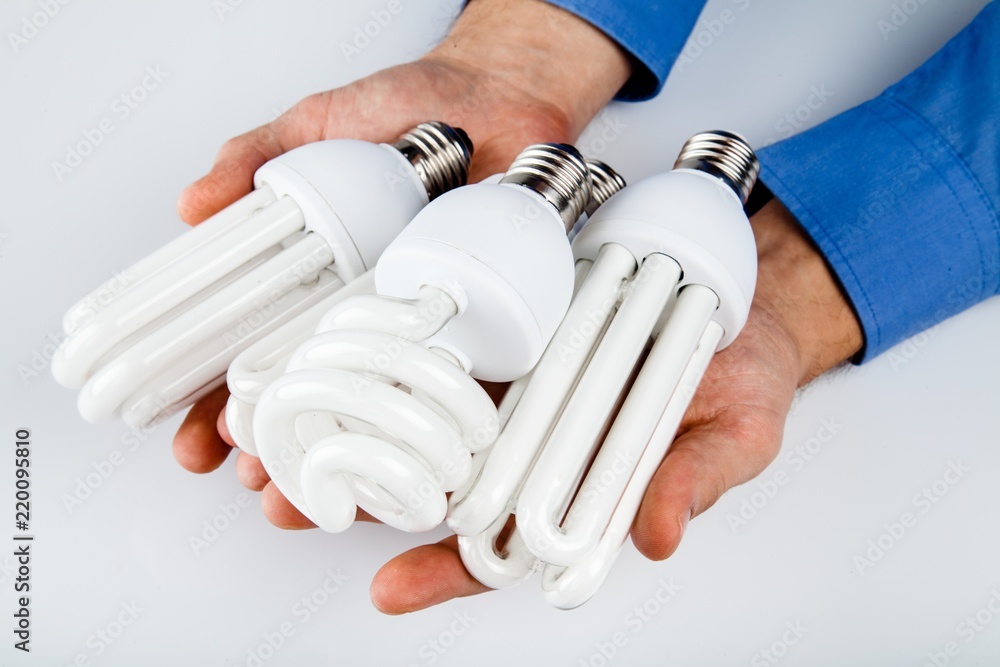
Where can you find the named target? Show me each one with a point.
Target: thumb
(702, 464)
(423, 577)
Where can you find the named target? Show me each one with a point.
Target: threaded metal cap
(557, 172)
(604, 182)
(439, 153)
(725, 155)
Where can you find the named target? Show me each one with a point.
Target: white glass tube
(552, 481)
(557, 372)
(421, 432)
(174, 341)
(569, 587)
(598, 496)
(164, 290)
(265, 360)
(179, 386)
(166, 257)
(493, 567)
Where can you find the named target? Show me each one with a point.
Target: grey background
(901, 419)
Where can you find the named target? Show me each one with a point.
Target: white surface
(898, 422)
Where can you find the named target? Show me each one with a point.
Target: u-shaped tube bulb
(672, 259)
(319, 216)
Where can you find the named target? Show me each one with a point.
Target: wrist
(550, 55)
(796, 290)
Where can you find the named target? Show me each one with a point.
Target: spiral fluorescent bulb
(379, 409)
(319, 216)
(671, 258)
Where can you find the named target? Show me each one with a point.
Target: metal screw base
(558, 173)
(604, 182)
(726, 156)
(440, 154)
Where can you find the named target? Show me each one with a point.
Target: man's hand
(510, 74)
(799, 326)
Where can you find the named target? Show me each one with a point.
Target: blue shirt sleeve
(901, 193)
(652, 33)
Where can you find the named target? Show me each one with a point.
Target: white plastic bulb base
(703, 227)
(500, 251)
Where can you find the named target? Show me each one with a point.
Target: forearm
(799, 297)
(552, 55)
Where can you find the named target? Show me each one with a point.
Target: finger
(279, 511)
(223, 428)
(250, 472)
(197, 444)
(423, 577)
(283, 514)
(701, 465)
(231, 176)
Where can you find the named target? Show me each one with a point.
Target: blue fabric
(653, 33)
(901, 193)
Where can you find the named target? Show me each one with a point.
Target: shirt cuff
(904, 224)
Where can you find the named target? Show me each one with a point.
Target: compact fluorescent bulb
(319, 216)
(672, 259)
